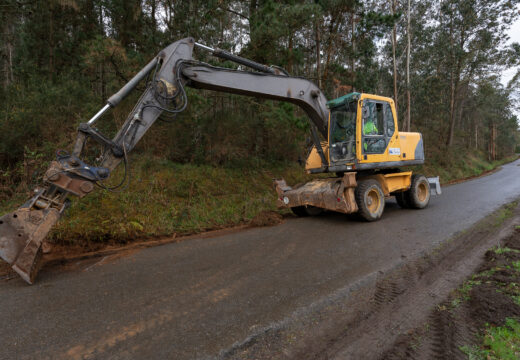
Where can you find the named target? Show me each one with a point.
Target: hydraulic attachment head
(22, 231)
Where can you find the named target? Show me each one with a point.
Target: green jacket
(369, 129)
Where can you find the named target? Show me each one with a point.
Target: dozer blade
(336, 194)
(21, 236)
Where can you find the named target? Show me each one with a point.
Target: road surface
(196, 298)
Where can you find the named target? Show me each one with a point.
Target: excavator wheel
(370, 199)
(401, 200)
(418, 196)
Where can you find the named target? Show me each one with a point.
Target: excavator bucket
(336, 194)
(21, 236)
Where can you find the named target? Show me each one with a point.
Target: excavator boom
(22, 232)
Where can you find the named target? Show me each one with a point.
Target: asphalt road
(196, 298)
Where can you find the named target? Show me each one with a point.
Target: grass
(465, 289)
(495, 342)
(165, 198)
(501, 342)
(451, 166)
(505, 213)
(504, 250)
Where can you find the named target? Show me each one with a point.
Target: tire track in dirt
(408, 302)
(458, 321)
(443, 344)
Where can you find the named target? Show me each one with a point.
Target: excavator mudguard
(336, 194)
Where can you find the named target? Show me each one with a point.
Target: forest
(441, 61)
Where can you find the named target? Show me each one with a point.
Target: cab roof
(356, 96)
(341, 100)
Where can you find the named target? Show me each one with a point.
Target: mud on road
(413, 311)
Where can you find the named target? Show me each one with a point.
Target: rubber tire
(412, 195)
(401, 200)
(299, 211)
(363, 188)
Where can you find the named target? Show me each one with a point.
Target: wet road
(196, 298)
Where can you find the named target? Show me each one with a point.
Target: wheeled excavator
(355, 138)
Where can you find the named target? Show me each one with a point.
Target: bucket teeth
(21, 236)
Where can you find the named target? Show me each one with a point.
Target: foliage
(63, 59)
(183, 198)
(60, 60)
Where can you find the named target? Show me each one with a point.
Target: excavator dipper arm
(22, 232)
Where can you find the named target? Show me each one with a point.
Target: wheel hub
(373, 200)
(422, 192)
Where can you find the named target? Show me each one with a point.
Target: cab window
(373, 131)
(343, 132)
(389, 121)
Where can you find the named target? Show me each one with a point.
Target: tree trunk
(8, 63)
(476, 136)
(394, 41)
(451, 131)
(408, 100)
(353, 64)
(318, 57)
(290, 55)
(492, 142)
(51, 40)
(154, 21)
(103, 83)
(333, 30)
(453, 89)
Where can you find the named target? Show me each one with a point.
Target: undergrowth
(166, 198)
(451, 166)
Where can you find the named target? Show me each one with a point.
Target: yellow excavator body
(366, 151)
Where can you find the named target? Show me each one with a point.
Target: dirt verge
(485, 299)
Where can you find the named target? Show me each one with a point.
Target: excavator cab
(363, 135)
